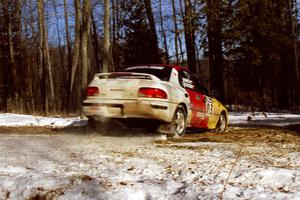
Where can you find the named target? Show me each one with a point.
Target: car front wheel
(222, 123)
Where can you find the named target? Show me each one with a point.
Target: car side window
(192, 82)
(199, 87)
(185, 80)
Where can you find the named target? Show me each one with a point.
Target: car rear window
(161, 72)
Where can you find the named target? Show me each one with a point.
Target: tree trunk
(175, 31)
(62, 76)
(295, 84)
(179, 34)
(96, 43)
(58, 36)
(114, 23)
(10, 50)
(154, 41)
(41, 59)
(115, 33)
(69, 49)
(45, 59)
(189, 36)
(20, 97)
(5, 64)
(106, 43)
(68, 69)
(34, 69)
(86, 13)
(163, 32)
(75, 54)
(48, 64)
(215, 47)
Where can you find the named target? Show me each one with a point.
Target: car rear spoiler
(125, 75)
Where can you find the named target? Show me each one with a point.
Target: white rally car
(170, 95)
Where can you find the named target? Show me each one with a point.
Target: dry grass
(243, 135)
(26, 130)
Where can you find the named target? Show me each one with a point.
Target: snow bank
(235, 118)
(264, 119)
(16, 120)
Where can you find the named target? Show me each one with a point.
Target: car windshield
(161, 72)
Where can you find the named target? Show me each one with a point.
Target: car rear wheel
(222, 123)
(91, 124)
(99, 126)
(178, 124)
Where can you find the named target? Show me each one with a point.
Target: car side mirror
(214, 93)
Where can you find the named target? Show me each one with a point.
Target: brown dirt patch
(241, 135)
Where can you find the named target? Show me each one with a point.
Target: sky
(56, 22)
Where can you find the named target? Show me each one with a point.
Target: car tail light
(152, 93)
(92, 91)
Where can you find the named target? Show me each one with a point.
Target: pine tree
(137, 49)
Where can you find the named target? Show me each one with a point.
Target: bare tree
(115, 31)
(175, 30)
(75, 54)
(114, 22)
(67, 69)
(215, 47)
(163, 32)
(95, 43)
(296, 77)
(60, 91)
(179, 32)
(153, 38)
(106, 42)
(69, 50)
(189, 36)
(45, 58)
(58, 33)
(10, 72)
(86, 13)
(33, 70)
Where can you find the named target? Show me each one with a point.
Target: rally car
(171, 95)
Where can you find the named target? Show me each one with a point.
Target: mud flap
(166, 129)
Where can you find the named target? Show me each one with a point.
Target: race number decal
(209, 105)
(187, 83)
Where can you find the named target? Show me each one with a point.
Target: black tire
(222, 123)
(91, 123)
(178, 124)
(100, 127)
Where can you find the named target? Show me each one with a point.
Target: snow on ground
(235, 118)
(78, 166)
(17, 120)
(91, 166)
(263, 119)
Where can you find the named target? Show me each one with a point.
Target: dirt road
(243, 163)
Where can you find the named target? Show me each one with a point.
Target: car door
(198, 101)
(209, 102)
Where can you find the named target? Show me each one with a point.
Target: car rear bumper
(138, 108)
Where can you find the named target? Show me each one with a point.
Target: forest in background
(246, 50)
